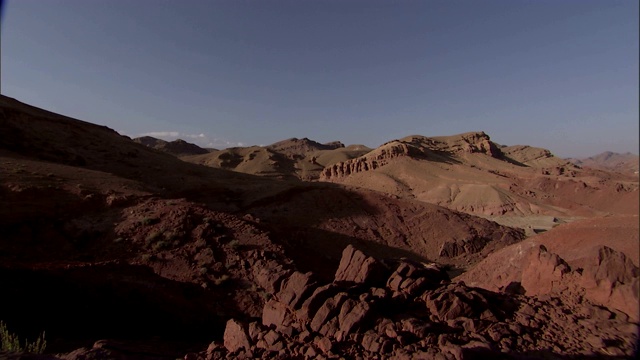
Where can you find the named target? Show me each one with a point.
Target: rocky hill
(626, 163)
(444, 148)
(534, 157)
(470, 173)
(301, 147)
(293, 158)
(177, 147)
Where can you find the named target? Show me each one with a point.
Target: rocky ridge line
(414, 146)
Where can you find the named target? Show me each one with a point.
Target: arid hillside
(596, 258)
(470, 173)
(624, 163)
(177, 147)
(292, 158)
(118, 250)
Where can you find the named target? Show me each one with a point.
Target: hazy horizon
(557, 75)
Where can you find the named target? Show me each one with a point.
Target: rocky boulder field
(424, 248)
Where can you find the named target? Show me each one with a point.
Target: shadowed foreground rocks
(407, 310)
(400, 309)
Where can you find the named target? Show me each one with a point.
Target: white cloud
(161, 134)
(202, 140)
(194, 136)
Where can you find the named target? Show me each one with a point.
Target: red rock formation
(236, 336)
(610, 279)
(414, 146)
(373, 160)
(544, 273)
(420, 314)
(357, 267)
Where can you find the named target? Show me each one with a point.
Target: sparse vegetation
(160, 245)
(200, 243)
(152, 237)
(221, 280)
(169, 236)
(234, 244)
(149, 221)
(11, 342)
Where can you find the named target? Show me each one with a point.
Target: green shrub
(11, 342)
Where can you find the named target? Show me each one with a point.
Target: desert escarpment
(293, 158)
(437, 148)
(470, 173)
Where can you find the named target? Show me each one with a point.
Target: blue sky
(551, 73)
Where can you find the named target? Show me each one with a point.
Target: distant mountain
(302, 147)
(291, 158)
(627, 163)
(177, 147)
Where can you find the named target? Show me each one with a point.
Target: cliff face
(417, 147)
(373, 160)
(471, 142)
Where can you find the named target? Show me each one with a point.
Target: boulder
(269, 276)
(543, 272)
(313, 302)
(276, 314)
(612, 280)
(358, 268)
(236, 336)
(351, 315)
(329, 309)
(295, 289)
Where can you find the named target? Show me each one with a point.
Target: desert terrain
(446, 247)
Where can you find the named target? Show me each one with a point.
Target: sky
(557, 74)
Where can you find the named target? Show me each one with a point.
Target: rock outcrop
(609, 279)
(612, 280)
(416, 147)
(544, 272)
(371, 161)
(416, 313)
(358, 268)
